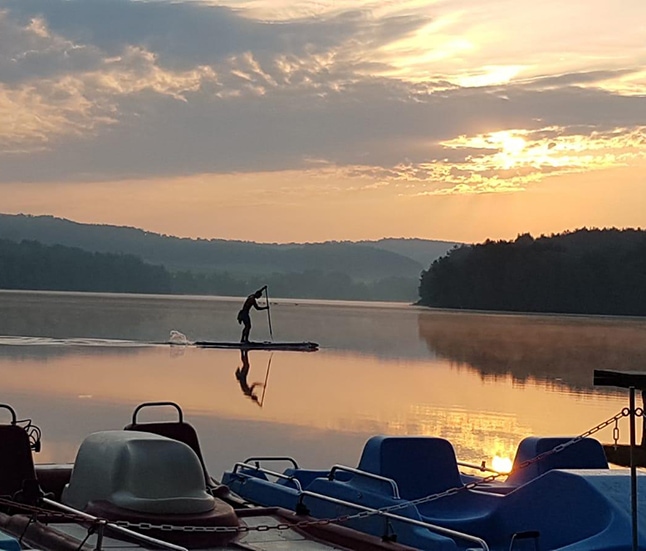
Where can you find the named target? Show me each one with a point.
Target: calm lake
(77, 363)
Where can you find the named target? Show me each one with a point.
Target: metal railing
(379, 512)
(366, 474)
(262, 470)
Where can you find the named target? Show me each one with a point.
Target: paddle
(271, 333)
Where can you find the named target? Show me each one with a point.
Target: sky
(314, 120)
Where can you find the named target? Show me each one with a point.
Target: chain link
(615, 434)
(639, 412)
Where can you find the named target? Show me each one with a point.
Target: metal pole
(633, 469)
(99, 535)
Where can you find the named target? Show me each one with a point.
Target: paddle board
(306, 346)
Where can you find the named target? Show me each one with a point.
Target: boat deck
(269, 540)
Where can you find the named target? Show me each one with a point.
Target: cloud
(109, 89)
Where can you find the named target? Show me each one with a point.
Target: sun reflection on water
(501, 464)
(476, 435)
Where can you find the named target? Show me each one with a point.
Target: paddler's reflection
(241, 374)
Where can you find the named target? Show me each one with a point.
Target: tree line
(587, 271)
(30, 265)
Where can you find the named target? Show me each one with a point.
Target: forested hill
(30, 265)
(581, 272)
(388, 269)
(364, 261)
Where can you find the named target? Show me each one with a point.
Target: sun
(511, 148)
(510, 143)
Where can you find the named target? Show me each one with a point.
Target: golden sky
(276, 120)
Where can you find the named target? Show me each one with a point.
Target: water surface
(77, 363)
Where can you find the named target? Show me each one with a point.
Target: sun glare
(510, 144)
(501, 464)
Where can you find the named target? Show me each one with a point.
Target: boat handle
(154, 404)
(272, 458)
(293, 479)
(12, 411)
(366, 474)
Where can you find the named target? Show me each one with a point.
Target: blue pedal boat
(410, 489)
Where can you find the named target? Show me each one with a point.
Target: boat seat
(420, 465)
(137, 471)
(176, 430)
(585, 454)
(16, 461)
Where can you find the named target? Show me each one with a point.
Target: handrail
(433, 527)
(366, 474)
(149, 404)
(482, 467)
(293, 479)
(12, 411)
(115, 527)
(272, 458)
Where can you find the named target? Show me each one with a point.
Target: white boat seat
(139, 471)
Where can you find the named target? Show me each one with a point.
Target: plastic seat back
(585, 454)
(177, 430)
(420, 465)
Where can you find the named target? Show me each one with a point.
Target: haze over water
(77, 363)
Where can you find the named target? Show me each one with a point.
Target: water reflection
(548, 348)
(251, 390)
(381, 370)
(323, 406)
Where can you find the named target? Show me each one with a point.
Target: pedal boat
(410, 489)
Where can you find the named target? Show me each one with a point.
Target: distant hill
(388, 269)
(423, 251)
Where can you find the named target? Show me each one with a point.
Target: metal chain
(615, 434)
(173, 528)
(639, 412)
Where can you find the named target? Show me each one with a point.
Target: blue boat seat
(420, 465)
(585, 454)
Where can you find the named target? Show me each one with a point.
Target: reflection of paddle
(271, 333)
(264, 386)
